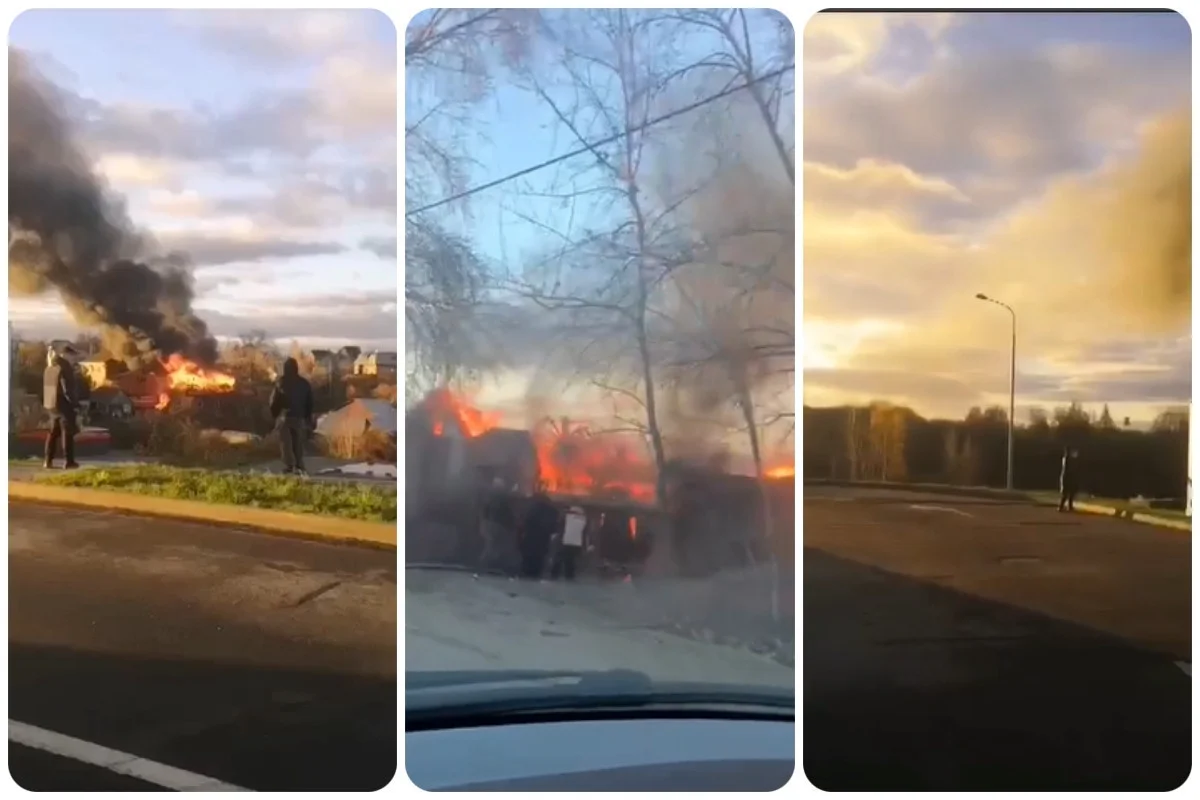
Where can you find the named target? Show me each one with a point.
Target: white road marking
(1185, 666)
(58, 744)
(947, 509)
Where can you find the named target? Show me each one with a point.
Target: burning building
(575, 461)
(459, 446)
(455, 451)
(157, 384)
(452, 450)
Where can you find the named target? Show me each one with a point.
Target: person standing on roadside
(60, 396)
(1068, 479)
(571, 544)
(292, 408)
(541, 522)
(496, 525)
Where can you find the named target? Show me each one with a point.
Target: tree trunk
(746, 402)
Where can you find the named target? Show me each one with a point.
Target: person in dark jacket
(1068, 479)
(541, 523)
(497, 526)
(60, 396)
(292, 408)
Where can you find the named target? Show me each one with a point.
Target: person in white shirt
(572, 540)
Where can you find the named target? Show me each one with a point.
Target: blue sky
(511, 128)
(1027, 156)
(261, 143)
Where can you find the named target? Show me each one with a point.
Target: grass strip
(273, 492)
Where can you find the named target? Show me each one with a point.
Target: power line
(589, 147)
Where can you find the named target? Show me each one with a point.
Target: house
(338, 362)
(345, 358)
(325, 361)
(111, 402)
(436, 462)
(376, 363)
(507, 454)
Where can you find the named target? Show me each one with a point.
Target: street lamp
(1012, 383)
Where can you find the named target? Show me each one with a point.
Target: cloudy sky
(261, 143)
(1041, 159)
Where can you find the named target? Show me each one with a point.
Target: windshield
(600, 396)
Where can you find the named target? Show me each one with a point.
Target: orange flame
(573, 461)
(570, 459)
(782, 471)
(445, 406)
(164, 400)
(183, 373)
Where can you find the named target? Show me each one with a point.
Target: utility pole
(1012, 385)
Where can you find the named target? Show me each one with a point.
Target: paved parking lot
(963, 644)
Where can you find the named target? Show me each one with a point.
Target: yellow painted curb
(314, 526)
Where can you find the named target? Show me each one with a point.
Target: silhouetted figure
(497, 525)
(540, 525)
(60, 396)
(574, 529)
(1068, 479)
(292, 407)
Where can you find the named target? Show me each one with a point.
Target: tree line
(886, 442)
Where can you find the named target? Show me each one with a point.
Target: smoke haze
(67, 235)
(1150, 227)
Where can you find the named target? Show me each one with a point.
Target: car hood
(457, 621)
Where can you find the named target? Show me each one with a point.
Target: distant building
(111, 402)
(342, 361)
(345, 358)
(381, 363)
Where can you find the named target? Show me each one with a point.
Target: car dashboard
(626, 754)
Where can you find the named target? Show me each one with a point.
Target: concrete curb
(1004, 494)
(310, 526)
(1133, 516)
(933, 488)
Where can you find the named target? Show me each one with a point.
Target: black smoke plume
(67, 234)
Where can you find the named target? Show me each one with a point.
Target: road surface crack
(315, 593)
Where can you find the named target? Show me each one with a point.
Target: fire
(571, 460)
(446, 406)
(783, 471)
(183, 373)
(164, 400)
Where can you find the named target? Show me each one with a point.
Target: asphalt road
(259, 661)
(966, 644)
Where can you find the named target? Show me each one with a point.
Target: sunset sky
(1041, 159)
(261, 143)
